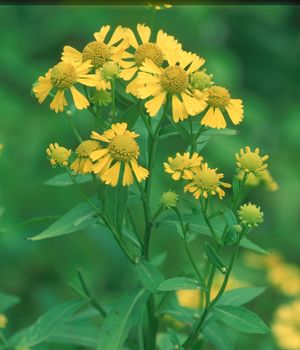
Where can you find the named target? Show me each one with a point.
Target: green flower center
(98, 53)
(179, 163)
(123, 148)
(150, 51)
(169, 199)
(200, 80)
(63, 75)
(174, 80)
(218, 97)
(251, 161)
(87, 147)
(207, 179)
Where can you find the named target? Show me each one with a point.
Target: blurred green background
(253, 50)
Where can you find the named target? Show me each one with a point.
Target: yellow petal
(148, 90)
(80, 101)
(208, 119)
(140, 172)
(155, 104)
(71, 54)
(127, 177)
(191, 104)
(88, 79)
(128, 73)
(95, 155)
(235, 110)
(220, 120)
(101, 35)
(197, 63)
(144, 32)
(117, 36)
(58, 101)
(150, 67)
(42, 89)
(119, 128)
(178, 109)
(111, 176)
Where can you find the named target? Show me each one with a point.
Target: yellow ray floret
(205, 182)
(61, 78)
(83, 164)
(251, 161)
(219, 101)
(121, 154)
(58, 155)
(172, 81)
(182, 166)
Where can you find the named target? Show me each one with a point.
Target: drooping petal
(127, 177)
(140, 172)
(144, 32)
(42, 88)
(154, 105)
(128, 73)
(80, 100)
(130, 35)
(71, 54)
(117, 36)
(235, 110)
(95, 155)
(58, 101)
(148, 90)
(101, 35)
(111, 176)
(178, 109)
(119, 128)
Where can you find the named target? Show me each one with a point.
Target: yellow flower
(169, 199)
(251, 161)
(219, 101)
(206, 181)
(182, 165)
(58, 155)
(268, 180)
(3, 321)
(122, 150)
(63, 77)
(144, 49)
(286, 326)
(250, 215)
(252, 180)
(172, 81)
(83, 164)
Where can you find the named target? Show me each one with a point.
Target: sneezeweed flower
(205, 182)
(251, 161)
(3, 321)
(169, 200)
(250, 215)
(219, 101)
(182, 166)
(144, 49)
(58, 155)
(83, 164)
(286, 326)
(189, 298)
(122, 151)
(201, 80)
(173, 82)
(62, 78)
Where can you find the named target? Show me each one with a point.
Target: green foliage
(177, 283)
(7, 301)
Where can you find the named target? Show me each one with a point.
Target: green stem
(113, 96)
(207, 221)
(73, 127)
(134, 227)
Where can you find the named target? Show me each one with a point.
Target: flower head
(122, 150)
(250, 215)
(169, 199)
(286, 326)
(3, 321)
(58, 155)
(173, 81)
(219, 101)
(61, 78)
(83, 164)
(252, 180)
(251, 161)
(200, 80)
(206, 181)
(182, 166)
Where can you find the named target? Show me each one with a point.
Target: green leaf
(116, 204)
(82, 335)
(230, 218)
(246, 243)
(177, 283)
(202, 142)
(7, 301)
(240, 296)
(214, 258)
(46, 325)
(235, 186)
(217, 337)
(122, 318)
(157, 260)
(131, 115)
(217, 132)
(149, 275)
(76, 219)
(241, 319)
(64, 180)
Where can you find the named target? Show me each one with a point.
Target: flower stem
(113, 96)
(73, 127)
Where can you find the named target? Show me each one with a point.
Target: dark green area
(252, 50)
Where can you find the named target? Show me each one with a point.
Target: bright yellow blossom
(251, 161)
(3, 321)
(58, 155)
(83, 164)
(205, 182)
(182, 166)
(63, 77)
(286, 326)
(122, 151)
(173, 81)
(219, 101)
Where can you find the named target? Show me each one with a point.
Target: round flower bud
(250, 215)
(101, 98)
(110, 70)
(201, 80)
(238, 228)
(169, 199)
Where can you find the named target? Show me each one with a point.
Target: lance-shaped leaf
(240, 319)
(7, 301)
(64, 180)
(240, 296)
(177, 283)
(122, 318)
(246, 243)
(214, 258)
(214, 334)
(149, 275)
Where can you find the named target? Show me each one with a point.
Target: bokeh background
(253, 50)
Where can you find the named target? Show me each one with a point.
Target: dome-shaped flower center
(87, 147)
(200, 80)
(174, 80)
(179, 163)
(98, 53)
(169, 199)
(150, 51)
(250, 215)
(63, 75)
(60, 154)
(123, 148)
(207, 179)
(251, 161)
(218, 97)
